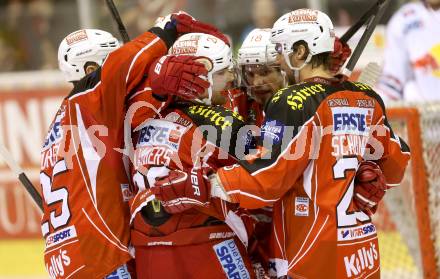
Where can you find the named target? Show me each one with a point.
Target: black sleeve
(169, 36)
(281, 124)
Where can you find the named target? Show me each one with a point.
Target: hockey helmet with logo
(311, 26)
(82, 46)
(257, 48)
(216, 55)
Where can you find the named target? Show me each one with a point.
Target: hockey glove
(180, 191)
(187, 24)
(179, 76)
(182, 23)
(369, 187)
(340, 54)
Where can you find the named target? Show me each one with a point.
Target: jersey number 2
(346, 218)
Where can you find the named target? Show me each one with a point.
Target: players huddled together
(170, 158)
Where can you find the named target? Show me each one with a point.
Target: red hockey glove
(340, 54)
(369, 187)
(179, 76)
(180, 191)
(187, 24)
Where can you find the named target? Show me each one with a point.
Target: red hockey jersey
(83, 176)
(314, 136)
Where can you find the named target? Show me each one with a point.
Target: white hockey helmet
(82, 46)
(312, 26)
(257, 48)
(218, 54)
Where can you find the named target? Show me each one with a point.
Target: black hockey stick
(115, 14)
(373, 21)
(30, 188)
(364, 18)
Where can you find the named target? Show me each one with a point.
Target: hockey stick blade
(117, 18)
(370, 74)
(22, 177)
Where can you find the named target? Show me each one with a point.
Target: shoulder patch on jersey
(272, 129)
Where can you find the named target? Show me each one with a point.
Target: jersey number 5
(58, 196)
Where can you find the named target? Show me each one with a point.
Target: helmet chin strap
(296, 69)
(284, 75)
(208, 100)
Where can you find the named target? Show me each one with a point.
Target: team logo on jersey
(363, 260)
(126, 192)
(351, 120)
(356, 232)
(301, 206)
(272, 129)
(55, 131)
(230, 258)
(60, 236)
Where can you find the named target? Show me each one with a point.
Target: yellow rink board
(24, 258)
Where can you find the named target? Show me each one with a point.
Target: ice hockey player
(412, 54)
(198, 243)
(83, 178)
(315, 135)
(261, 75)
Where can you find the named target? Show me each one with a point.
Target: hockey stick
(364, 18)
(115, 14)
(30, 188)
(374, 20)
(370, 74)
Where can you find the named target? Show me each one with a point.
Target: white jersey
(412, 54)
